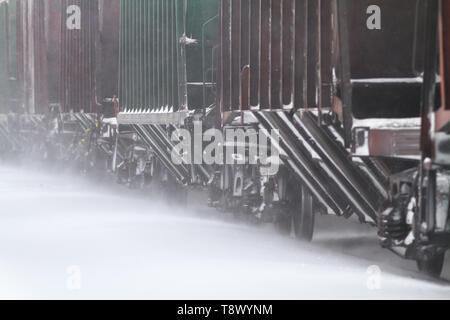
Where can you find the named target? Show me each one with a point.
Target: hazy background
(65, 237)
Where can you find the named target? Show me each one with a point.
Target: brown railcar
(74, 67)
(284, 46)
(290, 48)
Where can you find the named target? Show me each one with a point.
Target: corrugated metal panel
(59, 65)
(54, 19)
(266, 62)
(32, 55)
(87, 59)
(78, 58)
(108, 64)
(152, 55)
(4, 56)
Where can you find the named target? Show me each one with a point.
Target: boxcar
(59, 64)
(161, 54)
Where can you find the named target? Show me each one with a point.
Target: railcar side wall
(272, 52)
(387, 43)
(161, 53)
(152, 55)
(89, 55)
(67, 53)
(78, 58)
(4, 56)
(281, 54)
(32, 55)
(108, 64)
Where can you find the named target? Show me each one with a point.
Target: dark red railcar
(74, 66)
(275, 54)
(282, 55)
(108, 62)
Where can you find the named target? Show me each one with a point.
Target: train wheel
(304, 216)
(432, 266)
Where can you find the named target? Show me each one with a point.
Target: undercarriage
(316, 175)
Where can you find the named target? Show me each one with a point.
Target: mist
(64, 237)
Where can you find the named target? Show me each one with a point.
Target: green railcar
(166, 54)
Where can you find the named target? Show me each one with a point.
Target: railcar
(350, 100)
(62, 67)
(351, 97)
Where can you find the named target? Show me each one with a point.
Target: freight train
(279, 109)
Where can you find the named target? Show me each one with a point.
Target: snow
(122, 244)
(407, 123)
(188, 41)
(414, 80)
(389, 80)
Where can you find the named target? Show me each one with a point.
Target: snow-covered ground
(65, 238)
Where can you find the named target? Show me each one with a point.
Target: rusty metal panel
(264, 54)
(327, 38)
(288, 55)
(245, 56)
(235, 52)
(152, 56)
(255, 23)
(108, 62)
(300, 70)
(313, 53)
(387, 61)
(368, 47)
(275, 57)
(387, 142)
(394, 143)
(78, 58)
(62, 65)
(225, 55)
(53, 38)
